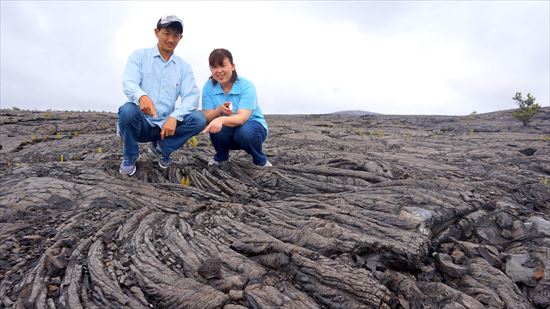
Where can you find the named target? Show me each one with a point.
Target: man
(153, 80)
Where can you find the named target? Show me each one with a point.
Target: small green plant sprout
(527, 108)
(75, 133)
(471, 131)
(99, 150)
(545, 138)
(58, 135)
(193, 142)
(61, 158)
(185, 181)
(380, 133)
(33, 137)
(545, 181)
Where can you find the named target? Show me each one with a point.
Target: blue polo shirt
(163, 81)
(242, 95)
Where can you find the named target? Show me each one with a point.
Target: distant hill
(354, 113)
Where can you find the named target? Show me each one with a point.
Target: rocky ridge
(373, 211)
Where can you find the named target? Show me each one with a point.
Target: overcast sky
(395, 57)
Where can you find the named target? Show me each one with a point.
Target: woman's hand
(232, 121)
(225, 109)
(214, 126)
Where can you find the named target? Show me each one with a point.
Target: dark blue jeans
(248, 137)
(135, 129)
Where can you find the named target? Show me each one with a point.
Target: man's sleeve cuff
(138, 95)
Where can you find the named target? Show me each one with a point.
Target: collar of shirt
(156, 53)
(236, 89)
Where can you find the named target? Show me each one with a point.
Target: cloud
(304, 57)
(444, 57)
(58, 54)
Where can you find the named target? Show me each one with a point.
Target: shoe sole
(163, 167)
(213, 162)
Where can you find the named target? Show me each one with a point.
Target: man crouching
(153, 80)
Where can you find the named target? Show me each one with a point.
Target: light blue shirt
(242, 95)
(148, 74)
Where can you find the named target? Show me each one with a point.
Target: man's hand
(147, 107)
(168, 128)
(214, 126)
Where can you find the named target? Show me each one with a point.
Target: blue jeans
(135, 129)
(248, 137)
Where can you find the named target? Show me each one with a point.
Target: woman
(231, 108)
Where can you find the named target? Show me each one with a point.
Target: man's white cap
(167, 20)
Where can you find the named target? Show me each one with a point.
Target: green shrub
(527, 108)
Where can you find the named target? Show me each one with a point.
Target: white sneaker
(212, 162)
(267, 164)
(127, 167)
